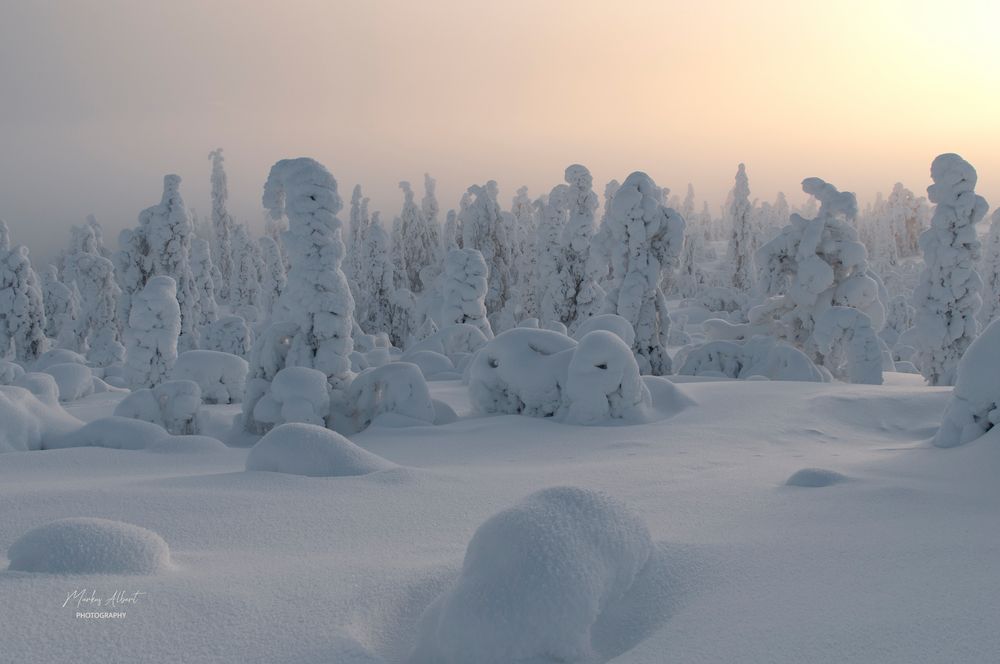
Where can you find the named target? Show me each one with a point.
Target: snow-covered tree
(154, 326)
(62, 304)
(356, 224)
(429, 205)
(420, 242)
(465, 285)
(202, 270)
(991, 272)
(740, 250)
(375, 280)
(96, 332)
(948, 295)
(483, 228)
(244, 293)
(644, 239)
(223, 224)
(273, 277)
(572, 295)
(451, 234)
(600, 261)
(22, 310)
(525, 233)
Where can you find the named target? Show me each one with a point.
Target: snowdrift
(306, 449)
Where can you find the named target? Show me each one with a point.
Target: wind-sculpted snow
(89, 546)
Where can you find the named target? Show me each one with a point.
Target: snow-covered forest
(246, 364)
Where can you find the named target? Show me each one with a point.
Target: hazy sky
(99, 99)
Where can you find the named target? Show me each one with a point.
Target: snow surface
(896, 566)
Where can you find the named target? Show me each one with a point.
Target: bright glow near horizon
(101, 98)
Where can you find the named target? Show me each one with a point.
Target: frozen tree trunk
(948, 295)
(154, 326)
(644, 239)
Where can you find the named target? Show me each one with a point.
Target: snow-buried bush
(27, 423)
(536, 580)
(974, 407)
(222, 377)
(759, 356)
(173, 405)
(75, 381)
(306, 449)
(89, 546)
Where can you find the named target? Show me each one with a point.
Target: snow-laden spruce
(991, 272)
(974, 407)
(22, 309)
(420, 243)
(244, 292)
(154, 326)
(223, 227)
(812, 270)
(272, 277)
(483, 228)
(572, 295)
(312, 323)
(62, 308)
(537, 582)
(206, 307)
(644, 240)
(464, 289)
(740, 249)
(525, 258)
(374, 280)
(229, 334)
(948, 295)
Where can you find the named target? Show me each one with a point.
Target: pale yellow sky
(100, 98)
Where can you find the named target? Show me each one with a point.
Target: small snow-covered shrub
(57, 356)
(456, 342)
(603, 381)
(759, 356)
(521, 371)
(10, 372)
(305, 449)
(398, 387)
(297, 394)
(850, 347)
(974, 407)
(431, 364)
(28, 423)
(536, 580)
(89, 546)
(42, 385)
(222, 377)
(75, 381)
(229, 334)
(173, 404)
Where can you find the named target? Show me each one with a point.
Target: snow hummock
(29, 423)
(221, 376)
(536, 579)
(815, 478)
(305, 449)
(89, 546)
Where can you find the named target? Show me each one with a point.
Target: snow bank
(27, 423)
(305, 449)
(815, 478)
(222, 377)
(975, 402)
(89, 546)
(536, 579)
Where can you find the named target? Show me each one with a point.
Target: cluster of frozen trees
(339, 322)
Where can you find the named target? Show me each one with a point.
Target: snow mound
(603, 381)
(89, 546)
(297, 394)
(815, 478)
(610, 322)
(42, 385)
(535, 582)
(10, 372)
(57, 356)
(27, 423)
(222, 377)
(759, 356)
(75, 381)
(173, 405)
(119, 433)
(306, 449)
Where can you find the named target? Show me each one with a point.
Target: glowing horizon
(102, 98)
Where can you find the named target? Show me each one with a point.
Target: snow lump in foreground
(89, 546)
(537, 578)
(975, 402)
(307, 449)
